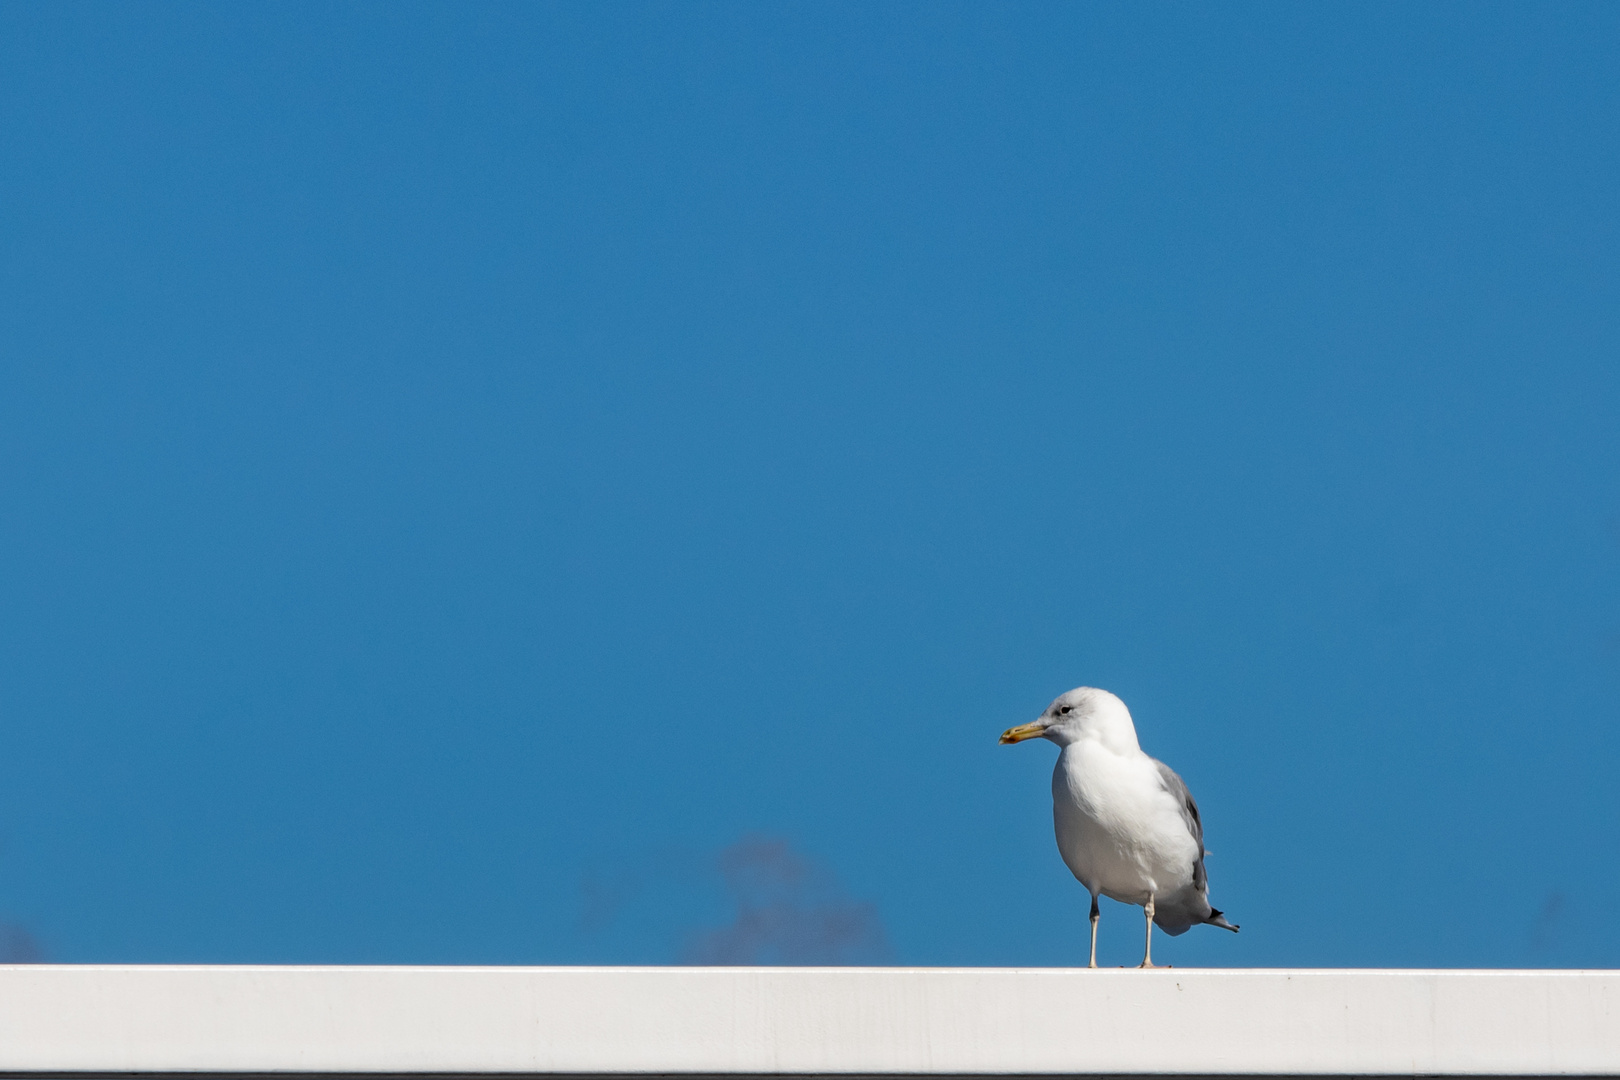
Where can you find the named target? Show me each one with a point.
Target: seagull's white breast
(1120, 832)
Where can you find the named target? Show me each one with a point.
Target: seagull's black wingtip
(1217, 919)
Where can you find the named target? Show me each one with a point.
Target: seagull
(1127, 827)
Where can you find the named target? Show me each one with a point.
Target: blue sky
(471, 474)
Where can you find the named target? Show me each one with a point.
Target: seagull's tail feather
(1218, 919)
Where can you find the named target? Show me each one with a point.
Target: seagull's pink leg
(1095, 915)
(1147, 952)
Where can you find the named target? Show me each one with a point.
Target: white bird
(1127, 827)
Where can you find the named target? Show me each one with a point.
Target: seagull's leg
(1095, 915)
(1147, 951)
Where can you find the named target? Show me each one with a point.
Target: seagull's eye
(1066, 710)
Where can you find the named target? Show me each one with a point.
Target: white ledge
(761, 1021)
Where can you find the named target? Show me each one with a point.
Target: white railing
(761, 1021)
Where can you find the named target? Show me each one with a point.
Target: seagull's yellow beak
(1023, 731)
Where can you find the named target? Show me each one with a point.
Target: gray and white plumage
(1127, 827)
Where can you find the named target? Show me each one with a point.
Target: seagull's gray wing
(1177, 789)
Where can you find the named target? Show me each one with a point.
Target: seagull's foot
(1145, 965)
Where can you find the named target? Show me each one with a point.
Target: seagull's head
(1084, 712)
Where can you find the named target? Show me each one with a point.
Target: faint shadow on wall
(788, 910)
(18, 946)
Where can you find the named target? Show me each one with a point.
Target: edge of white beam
(900, 1021)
